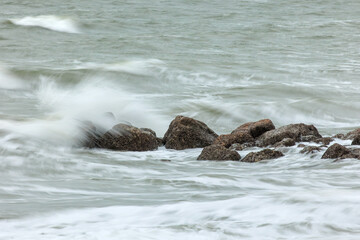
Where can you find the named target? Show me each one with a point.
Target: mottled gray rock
(297, 132)
(218, 153)
(265, 154)
(185, 132)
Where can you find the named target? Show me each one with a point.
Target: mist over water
(224, 63)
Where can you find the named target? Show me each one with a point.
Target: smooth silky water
(221, 62)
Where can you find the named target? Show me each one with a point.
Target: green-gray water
(221, 62)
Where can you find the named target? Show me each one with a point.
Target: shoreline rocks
(185, 133)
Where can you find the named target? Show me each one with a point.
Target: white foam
(136, 67)
(51, 22)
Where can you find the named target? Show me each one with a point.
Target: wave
(8, 80)
(51, 22)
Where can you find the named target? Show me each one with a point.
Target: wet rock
(286, 142)
(240, 147)
(185, 132)
(301, 145)
(351, 135)
(227, 140)
(324, 141)
(339, 136)
(265, 154)
(356, 140)
(256, 129)
(297, 132)
(91, 135)
(219, 153)
(310, 149)
(337, 151)
(123, 137)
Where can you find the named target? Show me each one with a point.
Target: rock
(262, 155)
(219, 153)
(187, 132)
(123, 137)
(148, 130)
(297, 132)
(310, 149)
(325, 140)
(356, 140)
(337, 151)
(256, 129)
(227, 140)
(339, 135)
(240, 147)
(286, 142)
(91, 137)
(301, 145)
(351, 135)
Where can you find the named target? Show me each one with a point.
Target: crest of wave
(66, 107)
(51, 22)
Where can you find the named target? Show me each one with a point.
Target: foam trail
(51, 22)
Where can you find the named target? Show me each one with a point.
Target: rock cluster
(185, 132)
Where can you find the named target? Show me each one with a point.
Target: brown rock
(262, 155)
(123, 137)
(337, 151)
(240, 147)
(325, 140)
(339, 135)
(286, 142)
(256, 128)
(219, 153)
(227, 140)
(356, 140)
(351, 135)
(310, 149)
(187, 132)
(297, 132)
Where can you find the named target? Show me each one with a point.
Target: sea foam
(51, 22)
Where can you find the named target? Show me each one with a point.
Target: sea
(222, 62)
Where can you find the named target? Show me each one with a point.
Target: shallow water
(224, 63)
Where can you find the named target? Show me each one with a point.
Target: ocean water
(221, 62)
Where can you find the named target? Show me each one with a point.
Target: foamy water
(224, 63)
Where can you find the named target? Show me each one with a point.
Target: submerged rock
(218, 153)
(91, 135)
(297, 132)
(338, 151)
(265, 154)
(310, 149)
(123, 137)
(185, 132)
(255, 129)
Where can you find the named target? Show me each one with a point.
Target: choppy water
(222, 62)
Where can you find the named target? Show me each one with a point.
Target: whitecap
(51, 22)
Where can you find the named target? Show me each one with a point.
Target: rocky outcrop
(185, 132)
(297, 132)
(255, 129)
(227, 140)
(337, 151)
(218, 153)
(123, 137)
(265, 154)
